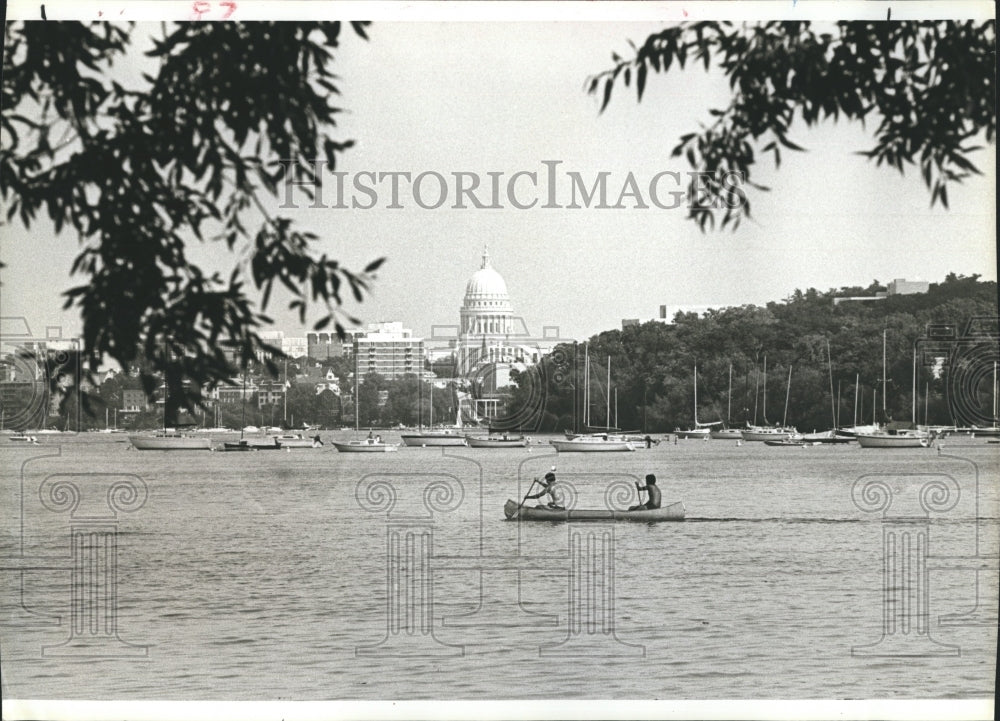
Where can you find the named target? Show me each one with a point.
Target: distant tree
(930, 86)
(225, 116)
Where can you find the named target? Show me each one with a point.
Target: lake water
(244, 576)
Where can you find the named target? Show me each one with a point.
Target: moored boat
(170, 442)
(435, 439)
(515, 512)
(297, 440)
(367, 445)
(765, 433)
(593, 444)
(728, 434)
(496, 442)
(904, 439)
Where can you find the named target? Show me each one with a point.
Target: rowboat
(496, 442)
(368, 445)
(591, 444)
(514, 512)
(170, 442)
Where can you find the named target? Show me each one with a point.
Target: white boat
(692, 433)
(729, 434)
(592, 444)
(496, 442)
(368, 445)
(297, 440)
(899, 439)
(700, 430)
(23, 438)
(768, 433)
(170, 442)
(446, 437)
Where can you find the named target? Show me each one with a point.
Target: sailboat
(727, 433)
(700, 430)
(433, 438)
(597, 441)
(886, 438)
(772, 433)
(169, 441)
(371, 444)
(830, 436)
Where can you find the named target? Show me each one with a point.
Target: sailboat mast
(729, 406)
(357, 400)
(884, 394)
(913, 403)
(756, 391)
(857, 384)
(764, 410)
(788, 392)
(696, 396)
(586, 386)
(607, 401)
(829, 360)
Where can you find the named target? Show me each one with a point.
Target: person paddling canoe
(548, 486)
(653, 501)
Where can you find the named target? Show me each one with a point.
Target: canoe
(369, 445)
(670, 512)
(494, 442)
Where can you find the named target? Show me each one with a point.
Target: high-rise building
(388, 349)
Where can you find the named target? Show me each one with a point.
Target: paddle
(519, 505)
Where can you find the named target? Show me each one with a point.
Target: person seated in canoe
(548, 486)
(654, 495)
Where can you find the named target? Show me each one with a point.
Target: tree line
(834, 353)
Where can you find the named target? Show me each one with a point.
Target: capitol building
(491, 339)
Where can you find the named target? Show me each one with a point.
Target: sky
(506, 97)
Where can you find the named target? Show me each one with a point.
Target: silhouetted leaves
(231, 112)
(931, 85)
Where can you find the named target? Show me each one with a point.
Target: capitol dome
(486, 290)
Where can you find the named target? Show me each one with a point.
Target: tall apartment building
(388, 349)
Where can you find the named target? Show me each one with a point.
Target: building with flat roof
(388, 349)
